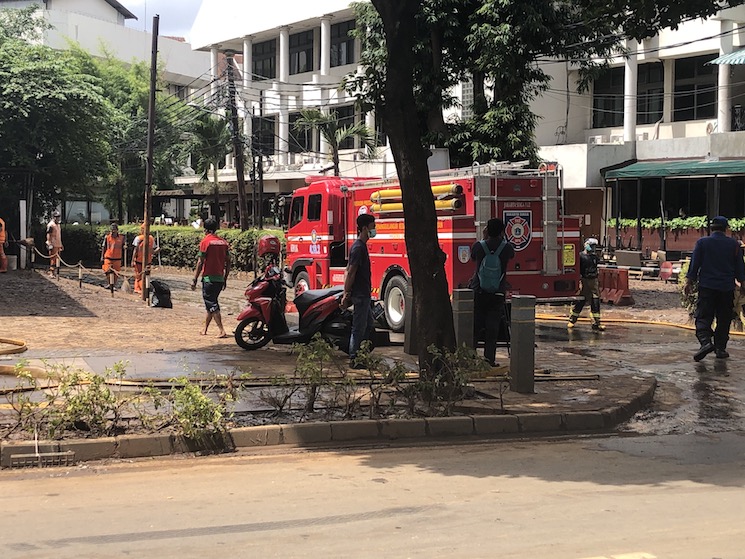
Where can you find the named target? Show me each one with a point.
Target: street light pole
(240, 170)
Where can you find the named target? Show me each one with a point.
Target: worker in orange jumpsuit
(137, 257)
(112, 252)
(3, 244)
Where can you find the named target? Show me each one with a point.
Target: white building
(292, 57)
(665, 104)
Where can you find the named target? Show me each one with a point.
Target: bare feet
(223, 335)
(203, 333)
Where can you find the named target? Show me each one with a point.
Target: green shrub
(178, 245)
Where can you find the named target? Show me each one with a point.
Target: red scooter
(263, 320)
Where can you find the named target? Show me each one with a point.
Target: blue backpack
(490, 270)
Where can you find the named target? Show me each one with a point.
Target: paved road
(673, 496)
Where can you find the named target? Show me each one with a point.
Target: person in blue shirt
(716, 262)
(358, 287)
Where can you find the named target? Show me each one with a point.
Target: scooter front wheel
(252, 333)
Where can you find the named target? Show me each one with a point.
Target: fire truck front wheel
(301, 283)
(395, 309)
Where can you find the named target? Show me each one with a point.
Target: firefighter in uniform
(112, 252)
(588, 268)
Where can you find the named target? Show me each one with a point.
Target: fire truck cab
(322, 228)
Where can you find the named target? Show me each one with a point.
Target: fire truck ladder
(553, 236)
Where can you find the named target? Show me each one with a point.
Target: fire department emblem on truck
(517, 227)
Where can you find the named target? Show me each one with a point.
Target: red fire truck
(322, 228)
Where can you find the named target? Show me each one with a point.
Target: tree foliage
(499, 45)
(54, 119)
(335, 133)
(75, 126)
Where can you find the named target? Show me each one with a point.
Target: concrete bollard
(522, 347)
(463, 316)
(409, 341)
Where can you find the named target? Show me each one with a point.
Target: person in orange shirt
(54, 241)
(137, 256)
(112, 252)
(3, 244)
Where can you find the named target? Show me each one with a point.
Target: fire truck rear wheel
(252, 333)
(395, 310)
(301, 283)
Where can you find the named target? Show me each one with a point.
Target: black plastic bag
(161, 295)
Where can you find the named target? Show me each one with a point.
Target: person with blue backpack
(492, 255)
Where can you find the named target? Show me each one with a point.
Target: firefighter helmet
(269, 244)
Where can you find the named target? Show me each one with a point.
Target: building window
(650, 91)
(301, 52)
(695, 93)
(345, 116)
(342, 43)
(264, 64)
(607, 99)
(263, 135)
(301, 141)
(466, 99)
(380, 138)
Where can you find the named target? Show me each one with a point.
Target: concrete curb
(301, 434)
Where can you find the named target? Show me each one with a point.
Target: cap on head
(591, 242)
(55, 213)
(719, 223)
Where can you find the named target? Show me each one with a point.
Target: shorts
(210, 293)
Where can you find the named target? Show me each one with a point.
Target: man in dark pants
(716, 263)
(358, 286)
(489, 306)
(588, 269)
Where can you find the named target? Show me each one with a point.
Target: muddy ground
(57, 313)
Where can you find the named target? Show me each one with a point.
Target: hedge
(178, 245)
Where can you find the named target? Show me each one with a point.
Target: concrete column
(247, 83)
(629, 93)
(522, 344)
(247, 61)
(724, 116)
(463, 316)
(284, 54)
(214, 72)
(283, 122)
(325, 45)
(668, 66)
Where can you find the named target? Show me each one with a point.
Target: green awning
(678, 168)
(737, 57)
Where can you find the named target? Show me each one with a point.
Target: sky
(176, 16)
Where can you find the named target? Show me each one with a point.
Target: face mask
(372, 232)
(589, 248)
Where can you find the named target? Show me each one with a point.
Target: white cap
(591, 241)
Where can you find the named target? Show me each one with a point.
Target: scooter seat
(308, 298)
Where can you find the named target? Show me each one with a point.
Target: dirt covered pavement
(48, 313)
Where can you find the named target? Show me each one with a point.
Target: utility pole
(240, 171)
(149, 160)
(261, 165)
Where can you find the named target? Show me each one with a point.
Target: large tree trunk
(435, 119)
(432, 311)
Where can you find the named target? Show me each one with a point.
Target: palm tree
(212, 142)
(335, 133)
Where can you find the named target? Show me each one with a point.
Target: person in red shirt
(213, 264)
(112, 252)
